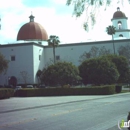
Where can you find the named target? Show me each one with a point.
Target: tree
(90, 7)
(98, 71)
(25, 76)
(122, 66)
(61, 73)
(111, 31)
(94, 52)
(104, 51)
(125, 51)
(53, 41)
(3, 64)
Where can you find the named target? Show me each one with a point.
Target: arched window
(120, 35)
(119, 25)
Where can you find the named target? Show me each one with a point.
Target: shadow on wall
(40, 66)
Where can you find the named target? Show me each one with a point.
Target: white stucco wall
(38, 64)
(72, 52)
(125, 34)
(124, 27)
(23, 62)
(123, 21)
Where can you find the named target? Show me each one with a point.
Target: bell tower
(119, 21)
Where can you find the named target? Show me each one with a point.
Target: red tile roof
(32, 31)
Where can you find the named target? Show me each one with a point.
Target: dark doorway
(13, 81)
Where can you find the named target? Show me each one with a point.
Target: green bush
(98, 71)
(97, 90)
(6, 93)
(26, 92)
(122, 66)
(3, 64)
(61, 73)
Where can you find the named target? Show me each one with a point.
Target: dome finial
(118, 8)
(31, 17)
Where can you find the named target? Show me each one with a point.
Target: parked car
(29, 86)
(18, 88)
(42, 86)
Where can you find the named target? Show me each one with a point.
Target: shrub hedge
(98, 90)
(6, 93)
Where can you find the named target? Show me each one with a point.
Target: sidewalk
(23, 103)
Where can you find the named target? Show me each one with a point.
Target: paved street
(64, 113)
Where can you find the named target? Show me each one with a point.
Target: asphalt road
(96, 114)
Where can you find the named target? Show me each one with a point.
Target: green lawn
(125, 91)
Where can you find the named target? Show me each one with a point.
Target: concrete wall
(38, 64)
(23, 62)
(72, 52)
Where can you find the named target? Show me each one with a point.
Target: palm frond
(111, 30)
(53, 41)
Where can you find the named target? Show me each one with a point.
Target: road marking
(79, 109)
(15, 123)
(69, 111)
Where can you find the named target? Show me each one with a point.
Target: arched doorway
(13, 81)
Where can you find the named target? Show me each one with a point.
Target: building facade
(26, 58)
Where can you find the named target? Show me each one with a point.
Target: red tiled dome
(118, 14)
(32, 31)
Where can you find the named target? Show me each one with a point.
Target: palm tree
(54, 42)
(111, 31)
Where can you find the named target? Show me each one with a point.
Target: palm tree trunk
(113, 44)
(54, 53)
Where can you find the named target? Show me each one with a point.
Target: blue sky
(55, 17)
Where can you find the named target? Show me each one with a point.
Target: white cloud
(63, 2)
(14, 14)
(6, 4)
